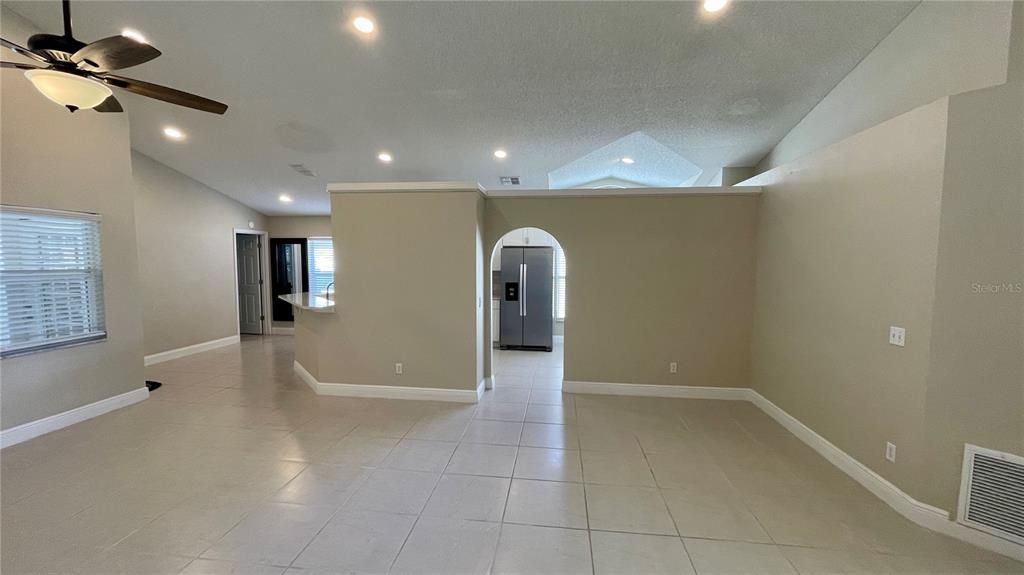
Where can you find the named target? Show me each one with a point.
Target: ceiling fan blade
(18, 66)
(114, 53)
(23, 51)
(109, 105)
(164, 93)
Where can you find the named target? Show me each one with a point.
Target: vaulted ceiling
(442, 85)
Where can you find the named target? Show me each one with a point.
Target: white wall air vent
(510, 180)
(302, 169)
(992, 493)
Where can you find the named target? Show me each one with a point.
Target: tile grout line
(349, 494)
(425, 503)
(743, 500)
(326, 523)
(583, 478)
(504, 509)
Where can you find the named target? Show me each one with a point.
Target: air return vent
(992, 493)
(302, 169)
(510, 180)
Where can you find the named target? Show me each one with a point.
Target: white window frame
(52, 331)
(309, 262)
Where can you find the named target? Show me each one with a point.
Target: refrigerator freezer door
(511, 324)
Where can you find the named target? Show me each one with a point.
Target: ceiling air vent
(510, 180)
(992, 493)
(302, 169)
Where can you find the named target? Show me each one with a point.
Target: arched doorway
(528, 306)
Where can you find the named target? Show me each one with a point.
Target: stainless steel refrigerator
(527, 318)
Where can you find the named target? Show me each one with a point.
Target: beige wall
(919, 222)
(299, 226)
(80, 162)
(405, 283)
(186, 256)
(650, 280)
(976, 377)
(847, 247)
(940, 48)
(483, 298)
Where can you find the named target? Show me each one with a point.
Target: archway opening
(528, 309)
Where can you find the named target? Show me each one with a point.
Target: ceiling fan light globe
(69, 90)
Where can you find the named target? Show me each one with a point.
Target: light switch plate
(897, 335)
(673, 367)
(890, 451)
(398, 369)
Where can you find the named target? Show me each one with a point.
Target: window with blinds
(559, 283)
(51, 280)
(321, 264)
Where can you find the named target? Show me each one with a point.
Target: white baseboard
(282, 331)
(26, 431)
(646, 390)
(923, 514)
(388, 391)
(190, 349)
(306, 376)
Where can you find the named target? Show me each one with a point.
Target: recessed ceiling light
(134, 35)
(285, 198)
(364, 24)
(500, 154)
(384, 157)
(174, 133)
(628, 160)
(715, 5)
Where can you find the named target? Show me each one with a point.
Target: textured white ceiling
(443, 84)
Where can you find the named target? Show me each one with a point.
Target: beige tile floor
(234, 466)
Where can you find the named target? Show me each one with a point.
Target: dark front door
(288, 262)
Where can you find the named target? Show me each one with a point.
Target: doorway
(528, 275)
(288, 258)
(249, 285)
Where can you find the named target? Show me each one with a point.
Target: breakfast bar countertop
(309, 301)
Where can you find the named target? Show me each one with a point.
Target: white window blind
(559, 283)
(51, 279)
(321, 264)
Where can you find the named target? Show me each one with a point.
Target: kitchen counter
(309, 301)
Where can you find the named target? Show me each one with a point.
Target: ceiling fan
(77, 75)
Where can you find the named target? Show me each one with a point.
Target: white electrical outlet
(673, 367)
(897, 335)
(398, 368)
(890, 451)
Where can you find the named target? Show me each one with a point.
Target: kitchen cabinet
(527, 237)
(516, 237)
(539, 237)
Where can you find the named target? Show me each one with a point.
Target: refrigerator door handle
(522, 285)
(522, 293)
